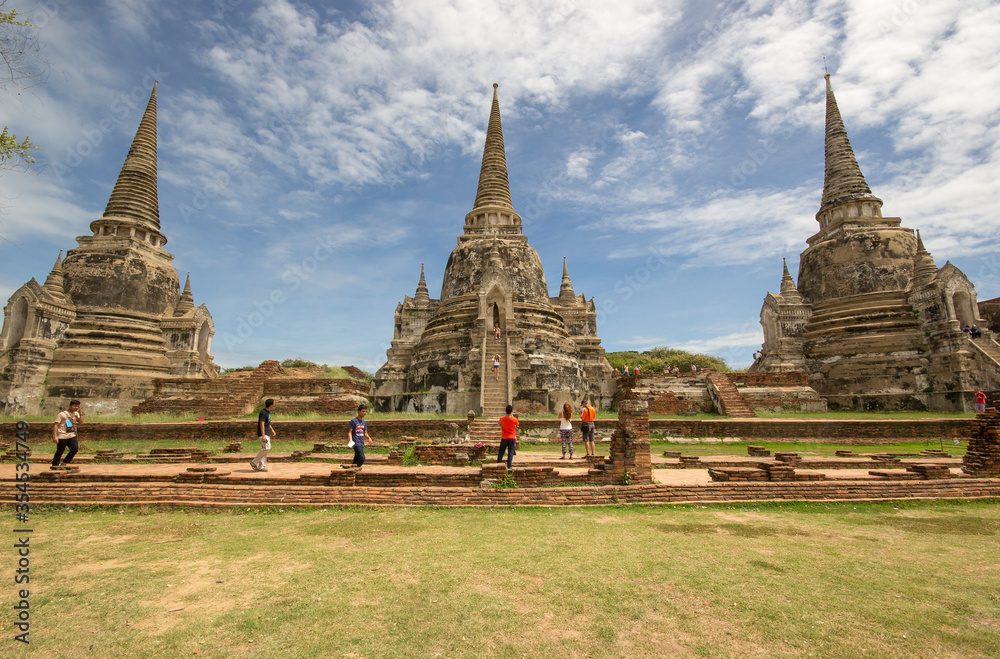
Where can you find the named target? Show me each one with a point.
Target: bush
(298, 363)
(653, 360)
(238, 368)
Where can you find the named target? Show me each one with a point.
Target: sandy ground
(376, 464)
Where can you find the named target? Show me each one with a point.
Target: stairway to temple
(495, 394)
(988, 345)
(496, 397)
(241, 399)
(732, 402)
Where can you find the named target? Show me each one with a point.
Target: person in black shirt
(264, 433)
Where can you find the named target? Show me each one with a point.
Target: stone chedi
(873, 322)
(442, 351)
(111, 316)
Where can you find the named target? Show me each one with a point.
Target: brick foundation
(213, 495)
(860, 432)
(629, 453)
(983, 455)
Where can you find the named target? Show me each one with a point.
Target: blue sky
(318, 152)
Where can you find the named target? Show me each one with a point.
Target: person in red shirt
(980, 401)
(508, 436)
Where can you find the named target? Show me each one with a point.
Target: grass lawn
(754, 580)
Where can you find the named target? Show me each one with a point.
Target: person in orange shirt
(508, 436)
(587, 416)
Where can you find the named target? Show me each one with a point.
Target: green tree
(19, 50)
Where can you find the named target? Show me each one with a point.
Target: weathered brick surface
(667, 402)
(629, 453)
(983, 455)
(789, 379)
(276, 493)
(860, 432)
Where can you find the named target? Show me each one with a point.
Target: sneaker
(254, 467)
(262, 469)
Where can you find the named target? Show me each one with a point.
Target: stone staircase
(496, 397)
(731, 402)
(495, 394)
(240, 400)
(988, 346)
(485, 430)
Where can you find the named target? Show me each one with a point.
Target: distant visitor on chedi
(872, 321)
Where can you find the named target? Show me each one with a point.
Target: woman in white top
(496, 367)
(566, 430)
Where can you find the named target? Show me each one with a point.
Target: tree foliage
(655, 358)
(19, 50)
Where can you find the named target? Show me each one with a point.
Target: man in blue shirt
(358, 434)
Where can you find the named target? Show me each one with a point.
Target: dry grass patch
(834, 580)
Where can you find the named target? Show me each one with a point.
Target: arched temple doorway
(18, 323)
(204, 340)
(964, 313)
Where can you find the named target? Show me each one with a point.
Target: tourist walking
(508, 436)
(64, 432)
(587, 416)
(496, 367)
(264, 433)
(358, 434)
(980, 401)
(566, 429)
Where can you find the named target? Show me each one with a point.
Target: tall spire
(134, 199)
(843, 180)
(186, 303)
(422, 293)
(787, 285)
(924, 268)
(788, 289)
(494, 188)
(566, 289)
(54, 283)
(493, 210)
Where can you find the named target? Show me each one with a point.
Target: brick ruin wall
(304, 494)
(859, 432)
(982, 459)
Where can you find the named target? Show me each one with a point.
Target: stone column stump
(630, 446)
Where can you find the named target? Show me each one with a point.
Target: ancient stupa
(442, 350)
(873, 322)
(111, 316)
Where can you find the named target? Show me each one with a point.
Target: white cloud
(134, 16)
(42, 206)
(361, 100)
(735, 228)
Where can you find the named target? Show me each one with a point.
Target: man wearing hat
(358, 434)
